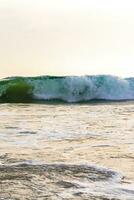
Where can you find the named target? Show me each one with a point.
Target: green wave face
(68, 89)
(15, 90)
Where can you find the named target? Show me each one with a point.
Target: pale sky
(66, 37)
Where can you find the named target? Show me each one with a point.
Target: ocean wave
(67, 88)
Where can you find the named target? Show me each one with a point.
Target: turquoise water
(67, 89)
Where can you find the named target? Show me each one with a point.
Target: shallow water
(67, 151)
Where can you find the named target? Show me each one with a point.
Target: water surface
(67, 151)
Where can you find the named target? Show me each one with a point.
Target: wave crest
(68, 89)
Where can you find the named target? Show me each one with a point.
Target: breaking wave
(67, 88)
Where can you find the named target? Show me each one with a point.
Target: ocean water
(67, 138)
(67, 88)
(67, 151)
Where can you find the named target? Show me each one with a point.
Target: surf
(66, 88)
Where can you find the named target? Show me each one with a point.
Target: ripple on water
(61, 181)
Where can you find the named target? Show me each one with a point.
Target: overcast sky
(66, 37)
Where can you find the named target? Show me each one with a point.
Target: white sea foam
(75, 89)
(68, 89)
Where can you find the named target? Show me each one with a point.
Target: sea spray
(66, 88)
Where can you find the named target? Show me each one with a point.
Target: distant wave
(67, 88)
